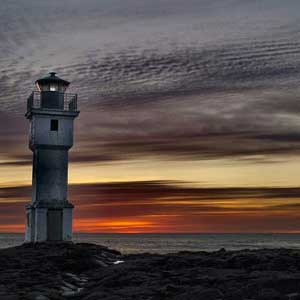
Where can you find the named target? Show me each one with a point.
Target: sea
(170, 243)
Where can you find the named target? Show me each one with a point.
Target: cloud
(157, 80)
(168, 80)
(164, 206)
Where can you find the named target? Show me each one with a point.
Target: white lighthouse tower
(51, 113)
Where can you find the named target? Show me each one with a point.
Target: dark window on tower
(54, 125)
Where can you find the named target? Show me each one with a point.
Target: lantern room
(51, 94)
(52, 83)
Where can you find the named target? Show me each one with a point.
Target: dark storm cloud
(13, 140)
(155, 190)
(137, 77)
(15, 193)
(142, 191)
(186, 131)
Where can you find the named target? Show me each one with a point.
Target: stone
(41, 297)
(10, 297)
(234, 294)
(43, 269)
(269, 294)
(199, 293)
(101, 263)
(293, 296)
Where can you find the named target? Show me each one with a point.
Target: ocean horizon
(163, 243)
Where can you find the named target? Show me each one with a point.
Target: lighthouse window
(53, 87)
(54, 125)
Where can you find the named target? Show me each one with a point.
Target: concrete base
(48, 224)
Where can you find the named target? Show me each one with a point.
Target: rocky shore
(90, 272)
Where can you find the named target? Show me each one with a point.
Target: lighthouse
(51, 113)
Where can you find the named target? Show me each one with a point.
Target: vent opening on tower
(54, 125)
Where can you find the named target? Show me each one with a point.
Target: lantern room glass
(51, 87)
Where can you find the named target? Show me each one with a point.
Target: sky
(189, 111)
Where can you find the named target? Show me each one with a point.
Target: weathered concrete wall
(37, 227)
(41, 134)
(40, 225)
(30, 225)
(51, 175)
(28, 228)
(50, 145)
(67, 224)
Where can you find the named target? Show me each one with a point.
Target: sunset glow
(157, 206)
(189, 112)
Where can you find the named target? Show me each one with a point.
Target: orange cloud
(152, 206)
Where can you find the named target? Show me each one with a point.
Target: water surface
(165, 243)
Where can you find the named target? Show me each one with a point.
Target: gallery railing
(52, 100)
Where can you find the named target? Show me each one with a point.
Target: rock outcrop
(44, 271)
(90, 272)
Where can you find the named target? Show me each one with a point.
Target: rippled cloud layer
(199, 79)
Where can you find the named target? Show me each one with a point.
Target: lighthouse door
(54, 225)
